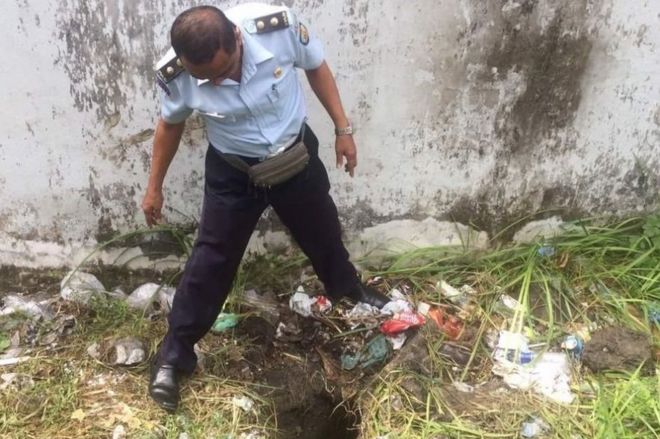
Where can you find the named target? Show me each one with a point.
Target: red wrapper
(401, 322)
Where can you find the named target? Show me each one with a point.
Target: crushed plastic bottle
(574, 345)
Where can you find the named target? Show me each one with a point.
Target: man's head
(207, 43)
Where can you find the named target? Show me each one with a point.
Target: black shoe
(164, 386)
(368, 295)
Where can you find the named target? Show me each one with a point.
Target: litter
(401, 322)
(322, 304)
(306, 305)
(451, 293)
(450, 325)
(574, 345)
(513, 347)
(362, 313)
(398, 340)
(549, 375)
(398, 304)
(224, 321)
(654, 313)
(243, 402)
(534, 427)
(463, 387)
(79, 286)
(15, 303)
(374, 352)
(143, 296)
(546, 250)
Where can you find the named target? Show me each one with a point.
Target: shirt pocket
(279, 91)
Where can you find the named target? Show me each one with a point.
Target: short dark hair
(198, 33)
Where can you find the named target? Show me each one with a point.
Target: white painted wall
(478, 112)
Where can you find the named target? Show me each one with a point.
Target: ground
(278, 374)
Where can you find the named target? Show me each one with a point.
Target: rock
(15, 303)
(118, 294)
(128, 351)
(78, 286)
(143, 296)
(165, 298)
(617, 348)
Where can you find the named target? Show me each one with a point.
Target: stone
(165, 298)
(94, 351)
(119, 432)
(129, 351)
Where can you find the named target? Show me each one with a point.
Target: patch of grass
(594, 274)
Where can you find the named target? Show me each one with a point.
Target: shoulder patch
(268, 23)
(303, 34)
(169, 67)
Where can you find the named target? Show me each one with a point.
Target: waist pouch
(274, 170)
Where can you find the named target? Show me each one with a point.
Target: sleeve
(173, 108)
(308, 48)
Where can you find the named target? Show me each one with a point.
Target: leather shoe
(164, 386)
(368, 295)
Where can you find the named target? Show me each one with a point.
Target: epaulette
(168, 68)
(267, 23)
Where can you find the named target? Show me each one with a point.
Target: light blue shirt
(265, 111)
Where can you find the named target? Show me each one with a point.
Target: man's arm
(166, 143)
(324, 86)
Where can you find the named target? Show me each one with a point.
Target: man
(238, 71)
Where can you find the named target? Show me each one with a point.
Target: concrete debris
(78, 286)
(129, 351)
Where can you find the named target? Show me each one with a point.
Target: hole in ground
(322, 419)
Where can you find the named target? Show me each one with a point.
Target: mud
(619, 349)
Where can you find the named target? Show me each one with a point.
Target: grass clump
(593, 275)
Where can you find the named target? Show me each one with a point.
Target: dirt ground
(619, 349)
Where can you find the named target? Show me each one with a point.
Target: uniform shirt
(265, 111)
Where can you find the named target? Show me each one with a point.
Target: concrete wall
(478, 112)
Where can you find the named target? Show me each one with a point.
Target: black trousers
(230, 213)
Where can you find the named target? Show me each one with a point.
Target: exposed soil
(307, 401)
(617, 348)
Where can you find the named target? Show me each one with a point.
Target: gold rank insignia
(304, 34)
(278, 72)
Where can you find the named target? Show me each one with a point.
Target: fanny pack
(274, 170)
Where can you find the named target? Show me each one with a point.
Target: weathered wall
(478, 112)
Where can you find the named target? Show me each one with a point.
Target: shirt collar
(253, 54)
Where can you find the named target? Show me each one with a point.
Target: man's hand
(152, 205)
(345, 148)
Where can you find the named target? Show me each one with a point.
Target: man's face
(221, 67)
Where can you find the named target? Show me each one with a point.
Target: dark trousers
(230, 213)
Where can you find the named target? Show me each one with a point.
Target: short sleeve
(173, 108)
(308, 48)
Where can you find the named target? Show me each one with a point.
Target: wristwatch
(346, 131)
